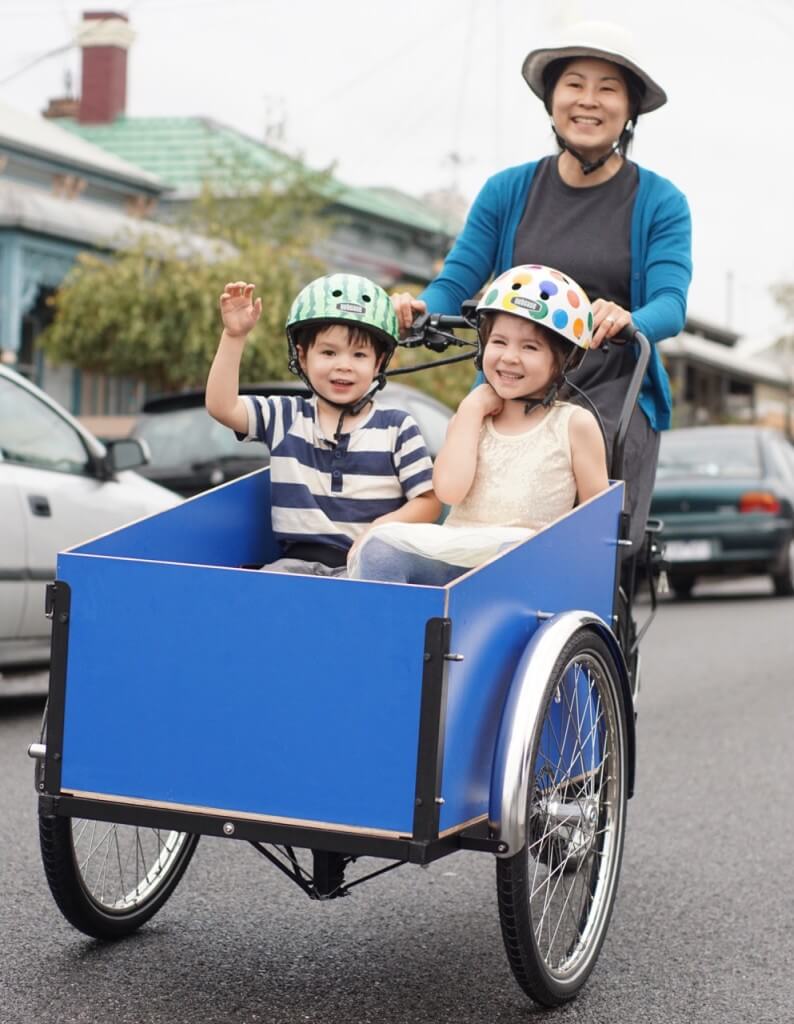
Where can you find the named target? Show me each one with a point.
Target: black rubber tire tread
(69, 893)
(512, 872)
(783, 582)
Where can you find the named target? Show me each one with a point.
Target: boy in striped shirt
(339, 463)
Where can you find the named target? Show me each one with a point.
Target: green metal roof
(185, 152)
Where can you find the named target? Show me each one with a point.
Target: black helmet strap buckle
(530, 404)
(588, 166)
(348, 408)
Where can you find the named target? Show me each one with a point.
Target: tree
(783, 294)
(150, 309)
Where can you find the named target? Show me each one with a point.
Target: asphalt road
(702, 930)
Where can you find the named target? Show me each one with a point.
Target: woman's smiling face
(590, 105)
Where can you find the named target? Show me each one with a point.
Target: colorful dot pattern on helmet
(543, 295)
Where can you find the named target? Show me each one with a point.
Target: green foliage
(783, 294)
(150, 310)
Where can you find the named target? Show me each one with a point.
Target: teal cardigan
(661, 263)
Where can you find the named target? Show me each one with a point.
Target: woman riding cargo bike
(492, 713)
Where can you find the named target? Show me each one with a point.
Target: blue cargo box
(196, 685)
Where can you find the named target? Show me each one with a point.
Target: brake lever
(416, 333)
(623, 337)
(423, 331)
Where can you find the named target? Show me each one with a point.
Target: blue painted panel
(264, 693)
(570, 565)
(229, 526)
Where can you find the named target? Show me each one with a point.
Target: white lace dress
(522, 483)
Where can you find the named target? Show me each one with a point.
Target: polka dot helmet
(346, 299)
(544, 296)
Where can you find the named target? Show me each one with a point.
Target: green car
(725, 496)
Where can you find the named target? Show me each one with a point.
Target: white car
(59, 486)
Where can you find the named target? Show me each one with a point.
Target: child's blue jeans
(381, 561)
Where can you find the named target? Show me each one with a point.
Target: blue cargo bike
(496, 714)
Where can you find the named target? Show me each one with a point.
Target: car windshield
(732, 456)
(191, 435)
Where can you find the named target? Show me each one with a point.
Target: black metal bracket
(57, 606)
(483, 844)
(328, 880)
(430, 753)
(652, 562)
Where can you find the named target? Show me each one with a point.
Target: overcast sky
(420, 94)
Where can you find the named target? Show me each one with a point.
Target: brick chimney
(105, 37)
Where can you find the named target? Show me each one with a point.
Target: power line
(64, 48)
(58, 50)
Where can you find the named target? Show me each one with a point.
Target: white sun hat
(599, 39)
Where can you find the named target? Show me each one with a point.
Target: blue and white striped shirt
(329, 493)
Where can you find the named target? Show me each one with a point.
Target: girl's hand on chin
(484, 400)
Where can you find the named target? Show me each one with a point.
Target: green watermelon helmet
(346, 299)
(544, 296)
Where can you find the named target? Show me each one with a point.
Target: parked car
(59, 486)
(726, 498)
(190, 451)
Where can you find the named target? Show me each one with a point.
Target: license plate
(688, 550)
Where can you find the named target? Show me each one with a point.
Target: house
(87, 177)
(719, 377)
(382, 233)
(59, 196)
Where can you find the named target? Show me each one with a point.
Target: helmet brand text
(520, 300)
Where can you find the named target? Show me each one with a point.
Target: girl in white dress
(515, 457)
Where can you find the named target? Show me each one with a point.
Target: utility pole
(729, 298)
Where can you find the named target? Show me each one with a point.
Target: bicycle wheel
(556, 895)
(109, 879)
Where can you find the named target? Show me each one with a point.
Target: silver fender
(512, 756)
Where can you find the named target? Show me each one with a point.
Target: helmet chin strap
(345, 408)
(532, 402)
(588, 166)
(352, 408)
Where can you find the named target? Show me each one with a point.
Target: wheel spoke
(121, 866)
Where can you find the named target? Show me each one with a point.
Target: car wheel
(681, 586)
(784, 581)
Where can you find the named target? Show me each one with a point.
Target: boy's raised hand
(238, 311)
